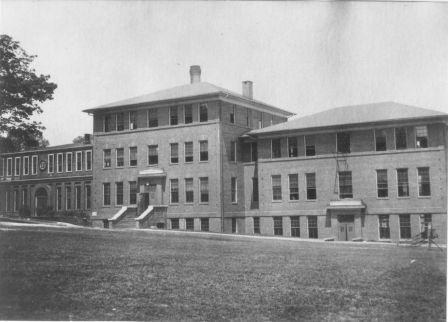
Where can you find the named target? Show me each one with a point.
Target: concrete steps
(128, 220)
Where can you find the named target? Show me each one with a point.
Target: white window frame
(376, 182)
(9, 167)
(409, 186)
(289, 188)
(272, 188)
(418, 184)
(185, 186)
(178, 192)
(50, 156)
(185, 151)
(87, 158)
(66, 195)
(67, 163)
(129, 156)
(76, 160)
(26, 170)
(17, 166)
(116, 158)
(34, 164)
(104, 155)
(57, 162)
(199, 112)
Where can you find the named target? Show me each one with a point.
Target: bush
(25, 211)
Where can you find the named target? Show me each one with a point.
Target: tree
(21, 93)
(79, 139)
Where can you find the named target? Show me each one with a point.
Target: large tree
(21, 93)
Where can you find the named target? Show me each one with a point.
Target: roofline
(56, 147)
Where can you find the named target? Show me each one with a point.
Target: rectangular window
(203, 188)
(77, 197)
(188, 152)
(382, 185)
(7, 201)
(424, 184)
(68, 161)
(253, 152)
(345, 185)
(60, 162)
(88, 160)
(16, 200)
(232, 114)
(118, 193)
(88, 189)
(403, 182)
(106, 194)
(311, 191)
(50, 163)
(233, 225)
(24, 196)
(109, 122)
(188, 113)
(174, 120)
(9, 167)
(312, 227)
(153, 154)
(234, 190)
(2, 168)
(175, 223)
(68, 197)
(203, 113)
(380, 140)
(26, 165)
(59, 198)
(132, 192)
(34, 164)
(295, 226)
(425, 224)
(254, 189)
(405, 226)
(205, 225)
(17, 166)
(203, 150)
(174, 153)
(256, 225)
(248, 117)
(119, 154)
(293, 186)
(278, 226)
(107, 158)
(189, 223)
(78, 160)
(153, 120)
(189, 190)
(400, 138)
(292, 147)
(276, 148)
(120, 121)
(343, 142)
(276, 187)
(232, 151)
(174, 189)
(132, 120)
(384, 226)
(133, 156)
(310, 146)
(421, 136)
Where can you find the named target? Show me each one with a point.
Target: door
(153, 200)
(346, 227)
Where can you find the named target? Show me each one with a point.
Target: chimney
(195, 74)
(87, 138)
(247, 89)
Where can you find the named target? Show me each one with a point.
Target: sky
(304, 57)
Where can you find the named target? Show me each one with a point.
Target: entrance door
(40, 202)
(153, 194)
(346, 227)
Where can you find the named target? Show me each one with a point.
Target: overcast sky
(304, 57)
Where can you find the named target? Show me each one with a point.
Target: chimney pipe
(195, 74)
(248, 89)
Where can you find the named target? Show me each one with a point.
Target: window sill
(234, 203)
(153, 165)
(189, 203)
(174, 163)
(174, 204)
(294, 201)
(120, 167)
(407, 197)
(277, 201)
(204, 161)
(382, 198)
(311, 200)
(424, 197)
(203, 203)
(108, 168)
(132, 166)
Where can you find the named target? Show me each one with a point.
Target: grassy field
(79, 274)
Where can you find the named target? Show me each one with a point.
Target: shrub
(25, 211)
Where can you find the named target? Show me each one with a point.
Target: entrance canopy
(346, 204)
(151, 173)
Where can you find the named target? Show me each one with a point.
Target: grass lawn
(80, 274)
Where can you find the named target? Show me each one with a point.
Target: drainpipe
(221, 167)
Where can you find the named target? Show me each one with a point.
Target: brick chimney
(195, 74)
(87, 138)
(248, 89)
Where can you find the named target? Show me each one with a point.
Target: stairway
(128, 220)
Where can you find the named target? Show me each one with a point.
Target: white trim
(76, 162)
(178, 190)
(26, 170)
(289, 188)
(387, 181)
(418, 185)
(17, 166)
(171, 153)
(315, 185)
(208, 154)
(185, 190)
(129, 156)
(272, 188)
(199, 112)
(88, 152)
(208, 191)
(185, 152)
(104, 159)
(116, 158)
(67, 163)
(409, 188)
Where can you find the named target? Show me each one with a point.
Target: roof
(183, 92)
(352, 115)
(52, 148)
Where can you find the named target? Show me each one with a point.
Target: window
(26, 165)
(88, 189)
(380, 140)
(60, 162)
(278, 226)
(233, 225)
(276, 148)
(311, 191)
(16, 200)
(248, 117)
(119, 154)
(421, 136)
(384, 226)
(173, 115)
(400, 138)
(120, 121)
(292, 147)
(132, 192)
(189, 223)
(381, 182)
(203, 113)
(276, 187)
(59, 198)
(132, 120)
(7, 201)
(34, 164)
(232, 114)
(106, 194)
(174, 153)
(68, 197)
(424, 185)
(118, 193)
(403, 182)
(107, 158)
(312, 227)
(50, 163)
(295, 226)
(2, 169)
(174, 189)
(153, 155)
(233, 190)
(188, 152)
(17, 166)
(189, 190)
(78, 160)
(188, 114)
(77, 197)
(88, 160)
(253, 152)
(345, 185)
(203, 188)
(9, 167)
(24, 196)
(405, 226)
(256, 225)
(343, 142)
(232, 151)
(205, 224)
(203, 150)
(109, 123)
(293, 186)
(153, 120)
(254, 189)
(310, 146)
(175, 223)
(68, 161)
(133, 156)
(425, 224)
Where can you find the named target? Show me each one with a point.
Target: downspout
(221, 167)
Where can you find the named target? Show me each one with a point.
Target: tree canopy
(21, 93)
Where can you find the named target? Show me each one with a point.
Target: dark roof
(352, 115)
(183, 92)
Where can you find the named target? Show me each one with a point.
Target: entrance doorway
(346, 227)
(40, 202)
